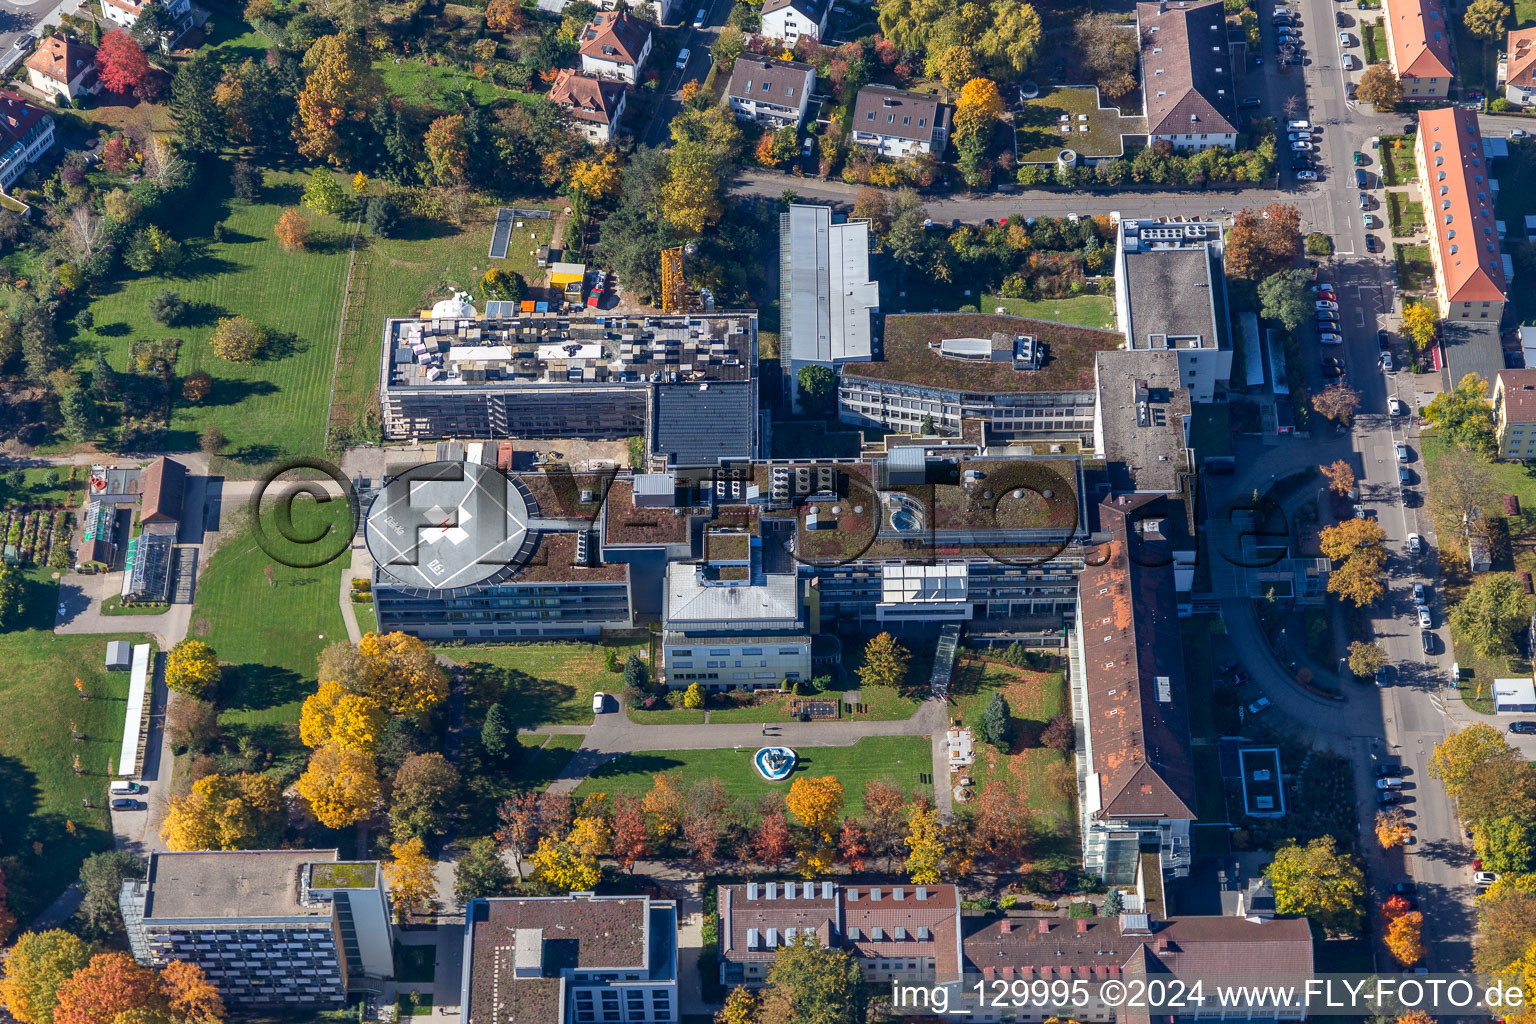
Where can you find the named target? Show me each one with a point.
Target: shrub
(167, 307)
(237, 339)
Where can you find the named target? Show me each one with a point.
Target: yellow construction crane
(674, 289)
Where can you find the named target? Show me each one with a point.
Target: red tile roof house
(64, 68)
(1517, 68)
(1186, 71)
(27, 132)
(615, 45)
(125, 13)
(1514, 413)
(1471, 279)
(594, 105)
(908, 933)
(1136, 780)
(1419, 42)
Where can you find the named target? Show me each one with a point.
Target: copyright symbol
(321, 533)
(1112, 993)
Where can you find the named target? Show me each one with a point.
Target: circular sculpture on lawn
(774, 763)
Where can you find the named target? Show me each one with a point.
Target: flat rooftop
(1175, 298)
(553, 560)
(230, 884)
(911, 354)
(534, 350)
(1143, 410)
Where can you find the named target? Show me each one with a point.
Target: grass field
(46, 824)
(1033, 697)
(878, 704)
(1478, 671)
(897, 759)
(545, 758)
(273, 406)
(1038, 125)
(1084, 310)
(269, 637)
(1396, 156)
(553, 683)
(1374, 38)
(44, 486)
(397, 277)
(439, 85)
(1407, 219)
(1414, 271)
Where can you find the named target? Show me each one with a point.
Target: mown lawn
(398, 277)
(1396, 155)
(275, 405)
(897, 759)
(879, 704)
(269, 636)
(1033, 696)
(440, 85)
(45, 823)
(553, 683)
(1083, 310)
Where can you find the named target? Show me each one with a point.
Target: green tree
(728, 45)
(818, 388)
(1466, 416)
(1283, 297)
(998, 722)
(1485, 19)
(79, 414)
(1321, 882)
(1365, 658)
(200, 124)
(1456, 758)
(1114, 903)
(809, 983)
(101, 882)
(480, 871)
(38, 964)
(786, 143)
(167, 307)
(324, 194)
(421, 799)
(498, 734)
(1505, 844)
(1492, 611)
(635, 675)
(885, 662)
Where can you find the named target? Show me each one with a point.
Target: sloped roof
(1458, 205)
(162, 487)
(61, 59)
(17, 115)
(615, 36)
(812, 9)
(1521, 47)
(1421, 38)
(897, 113)
(1137, 710)
(586, 97)
(1519, 395)
(770, 80)
(1186, 68)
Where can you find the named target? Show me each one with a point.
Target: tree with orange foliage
(851, 845)
(817, 803)
(120, 63)
(885, 817)
(1395, 907)
(772, 842)
(1405, 938)
(1341, 477)
(340, 88)
(1414, 1017)
(107, 986)
(1261, 242)
(629, 832)
(665, 802)
(1392, 828)
(189, 993)
(292, 229)
(445, 148)
(505, 16)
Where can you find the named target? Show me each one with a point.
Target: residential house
(1471, 271)
(897, 123)
(615, 45)
(789, 20)
(1514, 413)
(548, 959)
(770, 91)
(901, 932)
(1188, 95)
(294, 929)
(26, 132)
(1136, 780)
(1419, 45)
(827, 297)
(593, 104)
(64, 68)
(1517, 67)
(125, 14)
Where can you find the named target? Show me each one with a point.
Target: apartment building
(64, 68)
(1186, 73)
(593, 105)
(1419, 46)
(577, 959)
(790, 20)
(615, 45)
(1517, 67)
(770, 91)
(896, 123)
(1471, 270)
(26, 133)
(1136, 783)
(1514, 414)
(125, 13)
(1171, 295)
(270, 928)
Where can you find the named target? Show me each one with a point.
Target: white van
(599, 702)
(124, 788)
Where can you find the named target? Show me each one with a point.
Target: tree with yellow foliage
(400, 673)
(341, 785)
(570, 864)
(1351, 538)
(885, 662)
(226, 812)
(340, 87)
(410, 876)
(1420, 324)
(740, 1008)
(1405, 938)
(191, 667)
(926, 843)
(954, 66)
(333, 715)
(359, 183)
(1340, 475)
(818, 803)
(1391, 828)
(978, 109)
(664, 802)
(292, 230)
(599, 179)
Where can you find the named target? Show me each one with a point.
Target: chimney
(1082, 926)
(1007, 926)
(1043, 926)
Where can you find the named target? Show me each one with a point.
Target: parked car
(700, 18)
(1323, 286)
(1327, 314)
(1523, 728)
(1519, 133)
(1401, 451)
(1344, 38)
(599, 702)
(682, 58)
(1383, 338)
(1298, 136)
(1387, 797)
(1325, 304)
(1348, 61)
(1381, 676)
(1365, 201)
(1389, 782)
(1372, 243)
(1405, 477)
(1362, 178)
(1428, 640)
(1386, 362)
(1306, 175)
(1329, 338)
(1258, 705)
(1300, 147)
(1387, 771)
(1250, 101)
(1425, 620)
(1420, 595)
(1415, 543)
(1395, 407)
(126, 805)
(1483, 879)
(1369, 219)
(1327, 295)
(1300, 125)
(1405, 889)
